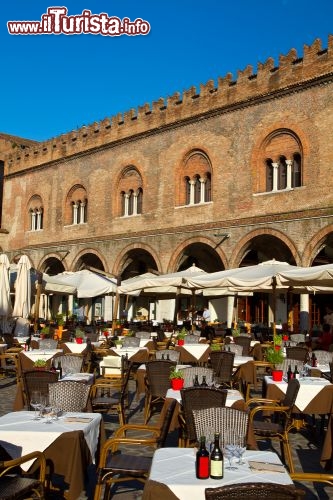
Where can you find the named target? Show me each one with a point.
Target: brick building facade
(234, 173)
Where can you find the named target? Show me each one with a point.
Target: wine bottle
(216, 459)
(296, 373)
(202, 460)
(204, 382)
(290, 374)
(196, 381)
(59, 369)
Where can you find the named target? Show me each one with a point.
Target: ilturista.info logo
(57, 22)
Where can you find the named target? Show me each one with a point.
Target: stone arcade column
(304, 312)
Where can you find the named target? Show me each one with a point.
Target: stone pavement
(306, 446)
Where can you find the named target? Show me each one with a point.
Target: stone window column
(75, 212)
(38, 220)
(33, 221)
(275, 176)
(192, 184)
(289, 172)
(127, 195)
(202, 189)
(135, 203)
(82, 211)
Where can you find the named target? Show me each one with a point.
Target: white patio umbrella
(87, 283)
(5, 302)
(22, 289)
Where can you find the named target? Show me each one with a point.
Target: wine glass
(48, 410)
(35, 402)
(41, 406)
(229, 453)
(240, 449)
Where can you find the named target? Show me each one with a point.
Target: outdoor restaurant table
(172, 474)
(234, 400)
(27, 358)
(135, 354)
(315, 397)
(69, 443)
(193, 353)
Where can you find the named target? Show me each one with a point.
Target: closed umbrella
(5, 303)
(22, 288)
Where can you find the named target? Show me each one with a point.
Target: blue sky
(52, 84)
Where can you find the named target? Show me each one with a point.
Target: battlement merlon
(292, 70)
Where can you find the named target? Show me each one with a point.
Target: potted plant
(40, 364)
(181, 336)
(79, 335)
(277, 339)
(118, 344)
(45, 332)
(176, 378)
(275, 357)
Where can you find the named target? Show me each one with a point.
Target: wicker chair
(131, 342)
(143, 335)
(105, 397)
(323, 357)
(230, 423)
(245, 342)
(70, 363)
(195, 398)
(9, 365)
(235, 348)
(48, 344)
(168, 354)
(258, 491)
(13, 486)
(69, 395)
(299, 338)
(116, 467)
(190, 372)
(38, 380)
(157, 383)
(281, 419)
(223, 366)
(191, 339)
(297, 352)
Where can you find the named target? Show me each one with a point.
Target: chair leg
(287, 454)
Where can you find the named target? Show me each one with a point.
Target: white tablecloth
(175, 467)
(44, 354)
(232, 396)
(76, 348)
(241, 360)
(20, 434)
(309, 388)
(196, 350)
(130, 351)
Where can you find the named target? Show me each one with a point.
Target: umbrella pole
(114, 316)
(37, 302)
(274, 308)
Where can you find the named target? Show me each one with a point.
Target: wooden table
(172, 475)
(70, 447)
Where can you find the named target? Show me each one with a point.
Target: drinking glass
(240, 449)
(229, 451)
(48, 409)
(35, 403)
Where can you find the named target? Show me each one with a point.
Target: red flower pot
(177, 383)
(277, 375)
(79, 341)
(181, 342)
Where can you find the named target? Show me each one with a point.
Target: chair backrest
(235, 348)
(323, 357)
(166, 424)
(143, 335)
(225, 367)
(69, 395)
(245, 342)
(48, 344)
(70, 363)
(38, 380)
(230, 423)
(291, 393)
(195, 398)
(297, 352)
(131, 342)
(257, 491)
(299, 338)
(190, 372)
(157, 376)
(289, 362)
(168, 354)
(191, 339)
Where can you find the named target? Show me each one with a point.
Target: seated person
(325, 339)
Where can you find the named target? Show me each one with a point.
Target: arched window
(282, 159)
(36, 214)
(197, 181)
(131, 192)
(76, 206)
